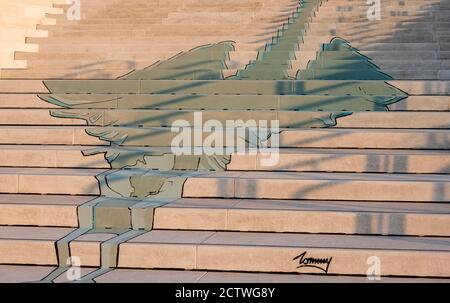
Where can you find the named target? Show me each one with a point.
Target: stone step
(413, 2)
(425, 72)
(17, 100)
(172, 13)
(382, 45)
(24, 273)
(347, 160)
(421, 103)
(158, 118)
(417, 87)
(204, 72)
(31, 101)
(138, 46)
(302, 216)
(166, 25)
(40, 210)
(230, 87)
(160, 31)
(246, 252)
(56, 156)
(338, 186)
(306, 138)
(75, 64)
(324, 30)
(335, 18)
(386, 218)
(30, 245)
(12, 33)
(386, 55)
(361, 138)
(382, 64)
(320, 186)
(20, 47)
(16, 64)
(187, 39)
(251, 252)
(373, 55)
(123, 54)
(394, 25)
(400, 38)
(57, 181)
(33, 117)
(316, 138)
(51, 135)
(389, 12)
(420, 75)
(161, 118)
(302, 160)
(395, 7)
(58, 74)
(237, 60)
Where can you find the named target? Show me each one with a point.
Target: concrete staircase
(375, 185)
(19, 21)
(115, 37)
(410, 41)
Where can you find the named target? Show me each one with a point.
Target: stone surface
(372, 183)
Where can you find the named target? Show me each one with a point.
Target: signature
(319, 263)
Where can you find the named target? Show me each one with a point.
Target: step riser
(57, 46)
(438, 88)
(422, 103)
(156, 33)
(371, 163)
(248, 258)
(23, 101)
(241, 258)
(38, 215)
(172, 39)
(350, 190)
(412, 103)
(363, 139)
(53, 136)
(34, 117)
(322, 31)
(158, 118)
(43, 252)
(384, 24)
(374, 55)
(124, 54)
(49, 184)
(236, 258)
(129, 55)
(50, 158)
(326, 138)
(400, 65)
(384, 39)
(380, 46)
(333, 189)
(334, 18)
(301, 221)
(428, 73)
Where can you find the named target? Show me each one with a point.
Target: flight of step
(376, 185)
(19, 21)
(114, 37)
(411, 39)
